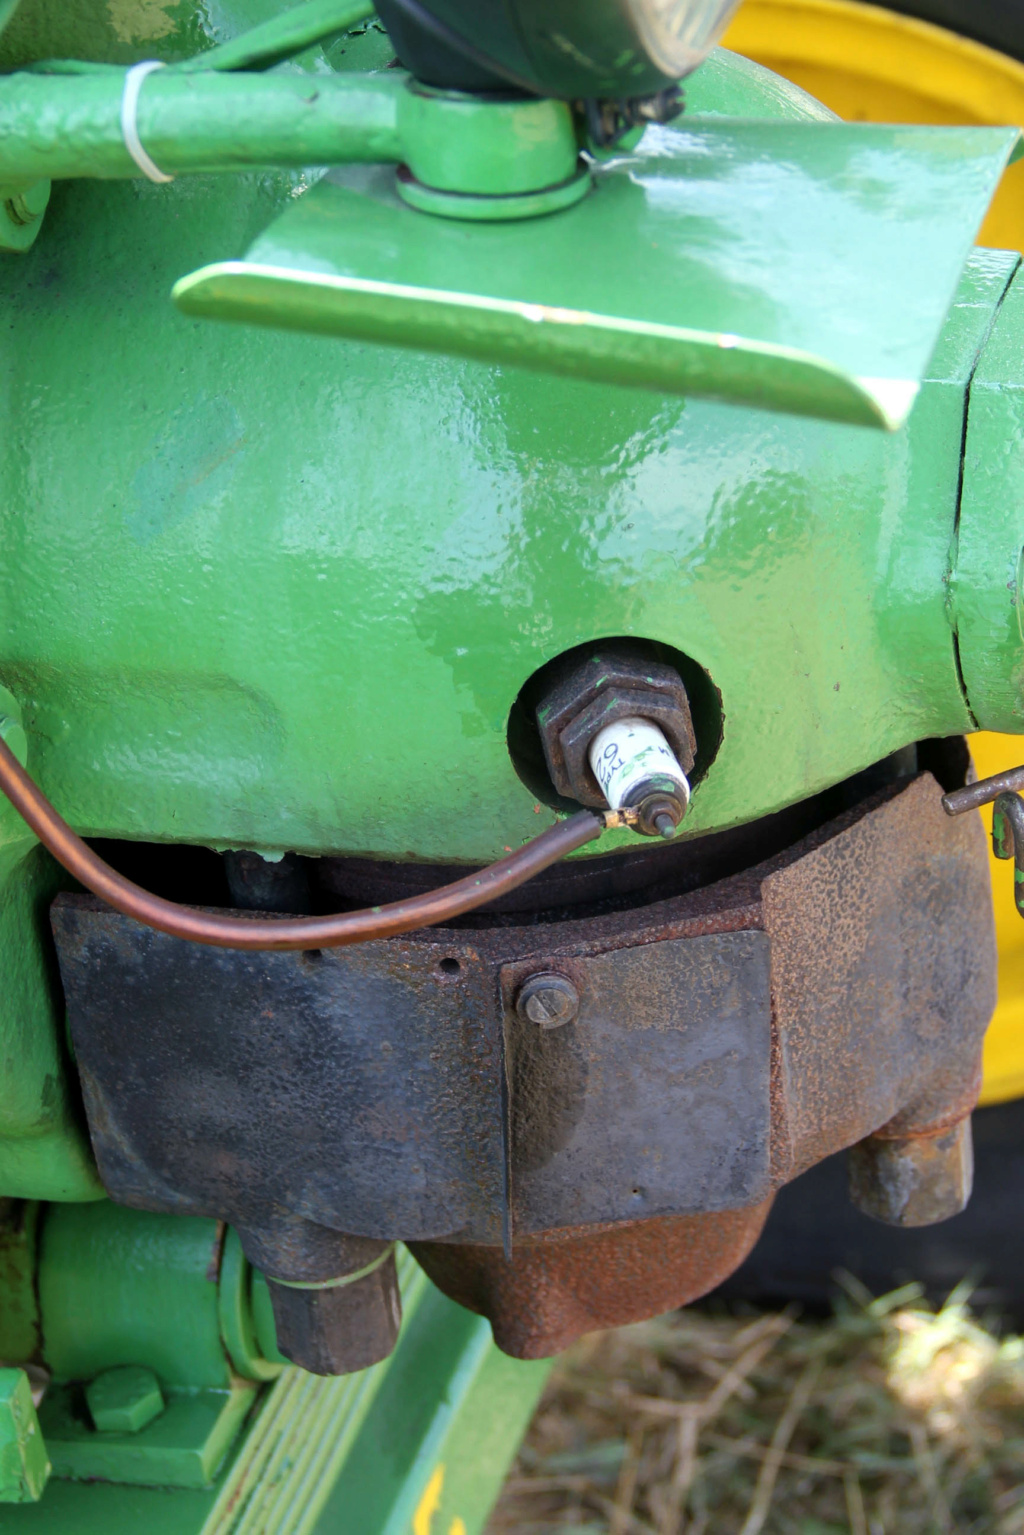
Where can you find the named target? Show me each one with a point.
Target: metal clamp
(1001, 791)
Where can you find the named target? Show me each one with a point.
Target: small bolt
(124, 1400)
(548, 1000)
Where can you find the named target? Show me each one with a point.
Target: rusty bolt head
(548, 1000)
(613, 682)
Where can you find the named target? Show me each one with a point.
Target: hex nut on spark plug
(613, 682)
(914, 1180)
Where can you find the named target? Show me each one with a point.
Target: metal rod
(287, 932)
(282, 36)
(1008, 840)
(55, 126)
(973, 795)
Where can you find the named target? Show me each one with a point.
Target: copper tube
(227, 932)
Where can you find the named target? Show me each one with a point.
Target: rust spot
(563, 1284)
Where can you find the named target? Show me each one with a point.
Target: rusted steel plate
(883, 976)
(633, 1109)
(360, 1089)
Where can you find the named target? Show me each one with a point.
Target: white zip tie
(129, 120)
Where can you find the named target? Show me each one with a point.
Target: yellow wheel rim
(871, 65)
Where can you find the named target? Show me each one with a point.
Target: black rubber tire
(813, 1230)
(998, 23)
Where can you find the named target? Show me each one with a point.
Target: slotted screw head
(548, 1001)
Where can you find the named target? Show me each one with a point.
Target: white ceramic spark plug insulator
(623, 755)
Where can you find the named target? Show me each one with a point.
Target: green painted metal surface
(183, 1446)
(61, 126)
(456, 144)
(124, 1400)
(245, 1315)
(19, 1303)
(44, 1149)
(804, 267)
(424, 1464)
(728, 85)
(24, 1464)
(145, 1323)
(279, 554)
(124, 1287)
(986, 590)
(418, 1442)
(243, 570)
(298, 28)
(122, 31)
(273, 548)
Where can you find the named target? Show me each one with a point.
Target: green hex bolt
(124, 1400)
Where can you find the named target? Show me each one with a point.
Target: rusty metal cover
(656, 1100)
(725, 1038)
(883, 976)
(359, 1088)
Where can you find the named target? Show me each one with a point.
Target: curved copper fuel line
(287, 932)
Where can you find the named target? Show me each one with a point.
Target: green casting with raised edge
(986, 589)
(294, 586)
(417, 1443)
(690, 294)
(120, 1287)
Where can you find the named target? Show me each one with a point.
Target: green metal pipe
(282, 36)
(55, 128)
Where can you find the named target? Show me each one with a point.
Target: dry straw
(888, 1419)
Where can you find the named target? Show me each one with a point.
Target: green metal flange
(468, 157)
(987, 584)
(154, 1314)
(653, 280)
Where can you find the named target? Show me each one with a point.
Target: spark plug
(615, 725)
(638, 770)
